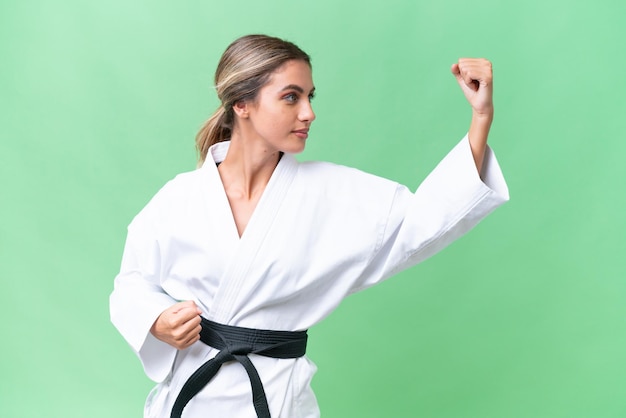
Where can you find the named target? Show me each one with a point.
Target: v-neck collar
(244, 249)
(274, 190)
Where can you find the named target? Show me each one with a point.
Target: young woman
(227, 266)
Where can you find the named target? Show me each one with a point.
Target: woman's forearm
(478, 133)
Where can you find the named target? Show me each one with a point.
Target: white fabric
(319, 233)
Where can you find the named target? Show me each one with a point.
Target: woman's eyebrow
(296, 88)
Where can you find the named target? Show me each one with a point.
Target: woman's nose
(306, 112)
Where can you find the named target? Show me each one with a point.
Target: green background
(524, 317)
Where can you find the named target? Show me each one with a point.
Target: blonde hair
(244, 68)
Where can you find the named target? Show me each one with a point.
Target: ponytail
(214, 130)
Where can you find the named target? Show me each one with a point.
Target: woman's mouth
(302, 133)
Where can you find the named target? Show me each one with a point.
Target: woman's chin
(295, 148)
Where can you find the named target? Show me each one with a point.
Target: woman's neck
(247, 168)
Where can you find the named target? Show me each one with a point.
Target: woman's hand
(178, 325)
(475, 77)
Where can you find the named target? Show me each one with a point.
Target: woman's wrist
(484, 117)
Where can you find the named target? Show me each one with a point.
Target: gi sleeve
(449, 202)
(138, 298)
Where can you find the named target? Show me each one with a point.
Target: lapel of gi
(236, 273)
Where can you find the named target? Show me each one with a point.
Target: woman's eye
(311, 96)
(291, 98)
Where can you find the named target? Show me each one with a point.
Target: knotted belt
(235, 343)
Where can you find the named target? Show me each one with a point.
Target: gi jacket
(320, 232)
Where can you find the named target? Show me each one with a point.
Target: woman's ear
(241, 109)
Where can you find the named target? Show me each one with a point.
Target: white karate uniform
(319, 233)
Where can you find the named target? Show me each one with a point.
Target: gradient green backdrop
(524, 317)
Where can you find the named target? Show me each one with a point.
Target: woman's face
(281, 114)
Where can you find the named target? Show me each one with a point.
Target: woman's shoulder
(354, 196)
(182, 182)
(174, 193)
(329, 174)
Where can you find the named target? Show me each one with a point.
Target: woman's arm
(475, 77)
(138, 299)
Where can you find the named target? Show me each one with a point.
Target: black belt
(235, 343)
